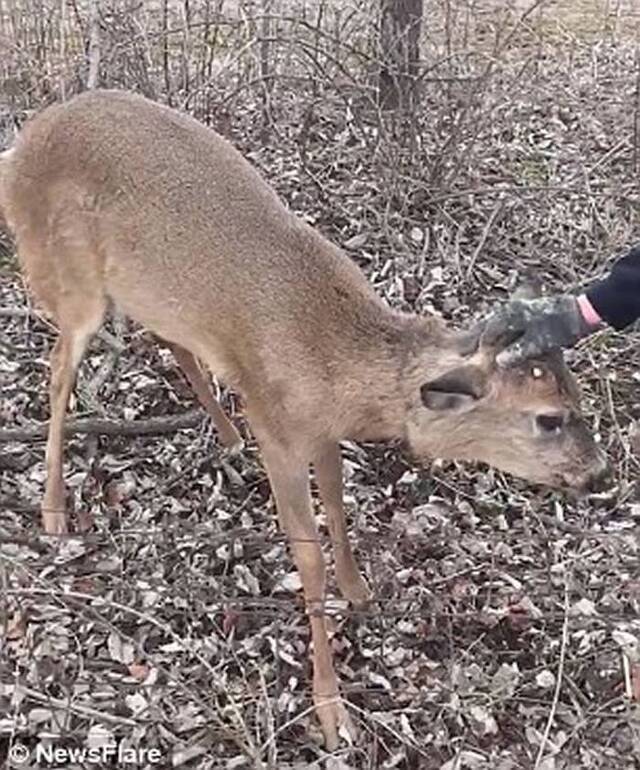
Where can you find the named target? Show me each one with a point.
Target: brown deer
(115, 199)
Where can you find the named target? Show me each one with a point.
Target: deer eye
(537, 373)
(550, 423)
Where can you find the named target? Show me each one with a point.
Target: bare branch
(151, 426)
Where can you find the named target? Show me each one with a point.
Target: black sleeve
(616, 299)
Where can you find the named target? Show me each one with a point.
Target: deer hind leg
(78, 323)
(328, 468)
(229, 435)
(290, 485)
(65, 275)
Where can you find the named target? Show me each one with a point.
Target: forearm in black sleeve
(616, 299)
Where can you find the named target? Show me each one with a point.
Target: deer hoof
(54, 521)
(335, 722)
(357, 592)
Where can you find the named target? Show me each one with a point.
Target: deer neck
(378, 385)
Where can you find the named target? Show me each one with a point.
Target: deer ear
(455, 391)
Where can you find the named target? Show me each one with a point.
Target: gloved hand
(533, 327)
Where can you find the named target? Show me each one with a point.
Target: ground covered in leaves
(505, 632)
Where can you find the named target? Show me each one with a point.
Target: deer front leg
(328, 467)
(290, 485)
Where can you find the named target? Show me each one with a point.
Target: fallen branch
(76, 708)
(23, 542)
(151, 426)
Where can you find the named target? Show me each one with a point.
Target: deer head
(524, 420)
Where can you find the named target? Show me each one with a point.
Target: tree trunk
(400, 25)
(93, 78)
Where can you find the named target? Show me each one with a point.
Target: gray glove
(533, 327)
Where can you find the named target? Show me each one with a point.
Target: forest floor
(496, 640)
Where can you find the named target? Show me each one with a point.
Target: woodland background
(451, 146)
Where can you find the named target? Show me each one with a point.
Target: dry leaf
(16, 627)
(139, 671)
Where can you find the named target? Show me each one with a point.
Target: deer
(117, 202)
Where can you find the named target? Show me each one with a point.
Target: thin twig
(485, 234)
(559, 675)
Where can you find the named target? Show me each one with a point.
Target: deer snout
(594, 479)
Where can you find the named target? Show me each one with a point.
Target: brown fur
(114, 199)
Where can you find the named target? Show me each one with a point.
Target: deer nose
(600, 480)
(596, 479)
